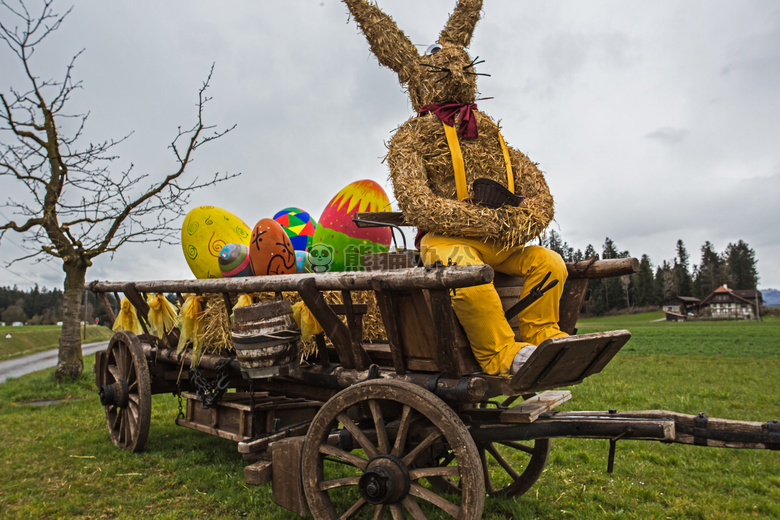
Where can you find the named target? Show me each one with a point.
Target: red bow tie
(446, 112)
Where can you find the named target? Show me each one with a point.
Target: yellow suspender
(460, 168)
(510, 179)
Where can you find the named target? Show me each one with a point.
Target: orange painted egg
(270, 249)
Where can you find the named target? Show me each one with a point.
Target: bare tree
(68, 202)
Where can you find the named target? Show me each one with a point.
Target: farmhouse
(682, 305)
(725, 303)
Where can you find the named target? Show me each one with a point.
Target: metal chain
(210, 393)
(181, 408)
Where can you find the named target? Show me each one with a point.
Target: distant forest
(735, 267)
(44, 307)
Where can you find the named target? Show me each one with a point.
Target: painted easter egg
(205, 232)
(300, 261)
(298, 225)
(270, 249)
(234, 261)
(338, 244)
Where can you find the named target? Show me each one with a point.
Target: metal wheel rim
(128, 426)
(419, 410)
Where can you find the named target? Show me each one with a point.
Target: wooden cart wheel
(510, 467)
(126, 392)
(362, 455)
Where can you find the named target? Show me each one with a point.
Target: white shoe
(520, 358)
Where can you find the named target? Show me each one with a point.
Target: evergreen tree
(710, 274)
(741, 265)
(682, 277)
(643, 283)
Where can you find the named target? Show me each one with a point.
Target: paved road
(34, 362)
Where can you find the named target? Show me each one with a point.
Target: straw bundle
(217, 338)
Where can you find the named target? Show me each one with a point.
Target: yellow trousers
(479, 308)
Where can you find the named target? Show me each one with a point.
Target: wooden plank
(355, 326)
(530, 409)
(444, 327)
(258, 473)
(416, 325)
(287, 484)
(386, 305)
(571, 304)
(207, 429)
(568, 360)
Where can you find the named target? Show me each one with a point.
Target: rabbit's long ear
(461, 24)
(388, 43)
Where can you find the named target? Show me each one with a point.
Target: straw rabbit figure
(434, 158)
(419, 157)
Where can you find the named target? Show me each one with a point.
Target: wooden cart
(409, 424)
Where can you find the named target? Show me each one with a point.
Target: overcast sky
(653, 121)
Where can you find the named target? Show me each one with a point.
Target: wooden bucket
(267, 339)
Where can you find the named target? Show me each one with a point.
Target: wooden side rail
(583, 269)
(400, 279)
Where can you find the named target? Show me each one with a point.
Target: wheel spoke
(358, 435)
(132, 377)
(117, 422)
(403, 430)
(122, 361)
(345, 456)
(412, 455)
(339, 482)
(115, 372)
(380, 510)
(357, 506)
(488, 483)
(518, 446)
(503, 462)
(413, 507)
(379, 423)
(509, 400)
(438, 501)
(122, 427)
(397, 511)
(438, 471)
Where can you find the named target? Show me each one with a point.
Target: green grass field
(37, 338)
(57, 461)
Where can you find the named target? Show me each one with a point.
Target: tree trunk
(70, 363)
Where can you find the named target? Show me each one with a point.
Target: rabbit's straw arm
(510, 226)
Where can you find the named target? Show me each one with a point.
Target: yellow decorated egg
(206, 230)
(270, 249)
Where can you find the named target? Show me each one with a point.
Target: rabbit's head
(444, 73)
